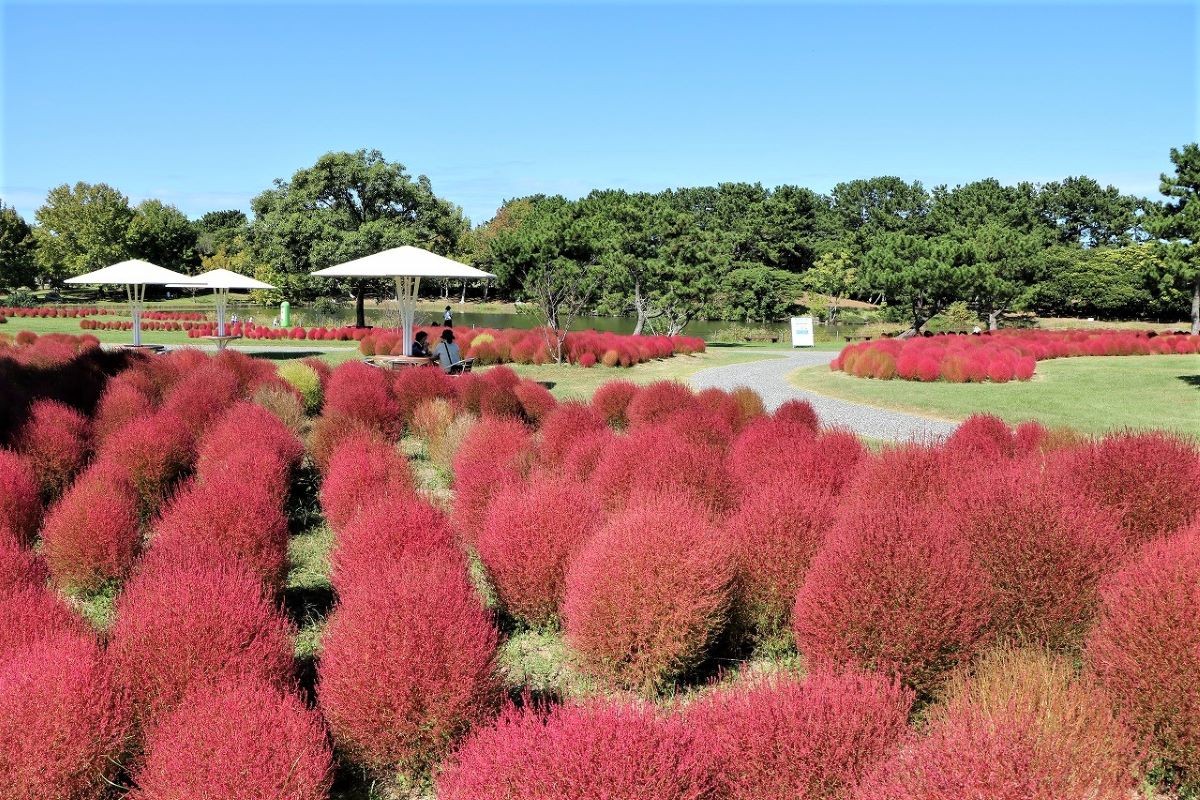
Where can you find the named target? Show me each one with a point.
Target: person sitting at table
(447, 351)
(420, 346)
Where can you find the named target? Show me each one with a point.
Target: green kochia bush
(305, 380)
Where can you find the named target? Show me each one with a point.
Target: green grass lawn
(1093, 395)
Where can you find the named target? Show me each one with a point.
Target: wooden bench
(221, 340)
(397, 362)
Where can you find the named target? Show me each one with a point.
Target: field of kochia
(745, 605)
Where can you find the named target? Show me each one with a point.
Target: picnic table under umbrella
(407, 265)
(221, 281)
(135, 275)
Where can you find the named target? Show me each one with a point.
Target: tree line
(734, 251)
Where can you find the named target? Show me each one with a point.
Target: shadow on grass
(274, 354)
(1191, 380)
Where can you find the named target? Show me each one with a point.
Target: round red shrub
(494, 453)
(613, 750)
(20, 501)
(651, 459)
(394, 528)
(1043, 548)
(407, 666)
(243, 739)
(62, 721)
(150, 454)
(19, 567)
(328, 432)
(30, 614)
(1145, 650)
(563, 427)
(201, 396)
(656, 401)
(798, 412)
(782, 738)
(247, 426)
(124, 400)
(984, 437)
(412, 387)
(227, 517)
(648, 594)
(57, 441)
(535, 399)
(528, 538)
(363, 393)
(91, 535)
(894, 590)
(182, 621)
(612, 400)
(361, 469)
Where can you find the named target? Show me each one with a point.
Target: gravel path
(769, 378)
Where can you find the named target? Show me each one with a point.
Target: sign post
(802, 331)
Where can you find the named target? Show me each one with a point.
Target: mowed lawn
(1092, 395)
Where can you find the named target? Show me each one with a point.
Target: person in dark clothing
(420, 345)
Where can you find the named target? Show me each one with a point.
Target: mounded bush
(1145, 651)
(91, 536)
(653, 459)
(150, 453)
(407, 667)
(648, 594)
(798, 412)
(62, 721)
(19, 567)
(495, 452)
(202, 395)
(329, 430)
(563, 427)
(535, 399)
(124, 400)
(57, 441)
(1043, 548)
(781, 738)
(359, 392)
(773, 450)
(413, 387)
(394, 528)
(305, 380)
(183, 621)
(30, 614)
(239, 738)
(249, 428)
(20, 500)
(984, 437)
(361, 470)
(528, 538)
(614, 750)
(894, 590)
(612, 400)
(657, 401)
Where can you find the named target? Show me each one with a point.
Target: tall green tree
(163, 235)
(918, 274)
(835, 277)
(82, 228)
(1177, 224)
(1003, 264)
(345, 206)
(217, 229)
(18, 265)
(1085, 213)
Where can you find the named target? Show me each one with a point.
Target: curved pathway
(768, 377)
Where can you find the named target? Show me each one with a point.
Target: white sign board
(802, 331)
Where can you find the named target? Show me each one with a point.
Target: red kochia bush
(243, 739)
(20, 503)
(535, 399)
(150, 454)
(782, 738)
(185, 621)
(19, 567)
(125, 399)
(652, 459)
(1043, 548)
(495, 452)
(563, 427)
(412, 387)
(407, 666)
(227, 517)
(202, 395)
(247, 427)
(394, 528)
(30, 614)
(648, 594)
(62, 721)
(657, 401)
(611, 750)
(612, 400)
(769, 451)
(895, 590)
(1151, 481)
(56, 439)
(91, 535)
(364, 393)
(799, 412)
(1145, 650)
(361, 470)
(984, 437)
(527, 541)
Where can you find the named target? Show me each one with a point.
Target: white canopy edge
(134, 272)
(222, 279)
(403, 262)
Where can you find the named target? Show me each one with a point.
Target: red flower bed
(998, 356)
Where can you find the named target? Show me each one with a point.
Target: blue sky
(203, 105)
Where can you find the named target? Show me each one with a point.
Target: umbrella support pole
(406, 298)
(222, 300)
(136, 292)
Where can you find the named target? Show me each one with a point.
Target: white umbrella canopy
(135, 275)
(407, 265)
(221, 281)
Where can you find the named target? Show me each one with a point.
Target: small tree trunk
(993, 320)
(463, 299)
(1196, 304)
(360, 313)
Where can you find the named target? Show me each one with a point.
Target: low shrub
(181, 622)
(407, 667)
(305, 380)
(614, 750)
(774, 451)
(57, 441)
(1145, 651)
(91, 535)
(329, 430)
(563, 427)
(657, 401)
(982, 437)
(124, 400)
(494, 453)
(20, 499)
(151, 454)
(19, 567)
(361, 470)
(62, 721)
(363, 393)
(248, 428)
(893, 590)
(202, 395)
(527, 540)
(432, 418)
(535, 399)
(649, 460)
(781, 738)
(243, 739)
(798, 412)
(284, 404)
(392, 529)
(648, 594)
(415, 387)
(612, 400)
(31, 614)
